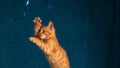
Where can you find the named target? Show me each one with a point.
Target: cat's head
(46, 32)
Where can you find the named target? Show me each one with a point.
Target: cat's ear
(51, 26)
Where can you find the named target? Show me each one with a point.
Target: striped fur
(45, 39)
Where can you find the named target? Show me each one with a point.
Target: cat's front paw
(32, 39)
(36, 40)
(37, 21)
(37, 25)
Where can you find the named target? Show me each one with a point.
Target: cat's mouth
(42, 36)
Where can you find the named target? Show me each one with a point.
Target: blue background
(89, 30)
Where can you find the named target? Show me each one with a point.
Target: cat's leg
(37, 24)
(45, 48)
(39, 43)
(36, 40)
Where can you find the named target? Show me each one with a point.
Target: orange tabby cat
(45, 39)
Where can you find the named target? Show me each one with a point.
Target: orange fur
(45, 39)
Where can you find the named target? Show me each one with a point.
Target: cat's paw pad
(37, 20)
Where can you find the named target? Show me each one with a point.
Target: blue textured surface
(85, 28)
